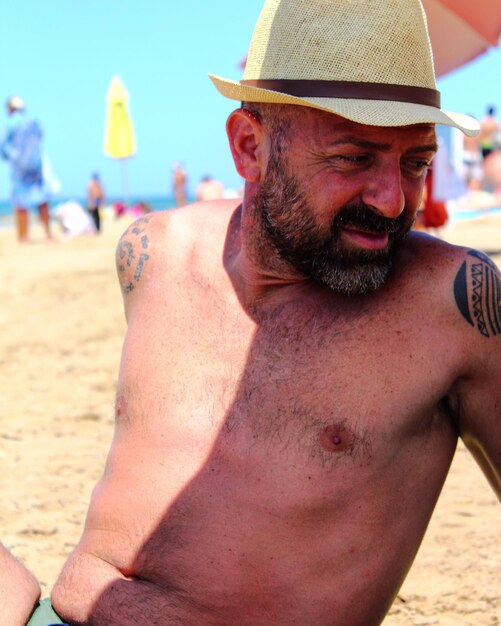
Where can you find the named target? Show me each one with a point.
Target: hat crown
(375, 41)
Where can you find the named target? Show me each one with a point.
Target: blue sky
(60, 56)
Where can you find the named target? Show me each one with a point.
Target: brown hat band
(348, 89)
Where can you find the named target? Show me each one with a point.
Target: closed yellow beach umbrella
(119, 140)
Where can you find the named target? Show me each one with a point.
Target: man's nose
(384, 191)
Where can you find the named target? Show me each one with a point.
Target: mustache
(364, 216)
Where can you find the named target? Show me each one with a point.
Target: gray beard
(354, 280)
(288, 222)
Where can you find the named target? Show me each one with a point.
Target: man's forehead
(334, 128)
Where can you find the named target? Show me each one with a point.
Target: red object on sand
(119, 209)
(434, 213)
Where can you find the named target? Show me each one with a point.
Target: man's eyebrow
(366, 144)
(360, 143)
(431, 147)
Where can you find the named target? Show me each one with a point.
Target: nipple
(336, 438)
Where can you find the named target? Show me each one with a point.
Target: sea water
(156, 203)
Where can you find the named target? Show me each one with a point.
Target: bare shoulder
(465, 278)
(477, 293)
(139, 247)
(167, 238)
(466, 310)
(133, 251)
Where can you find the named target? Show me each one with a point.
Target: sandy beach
(61, 331)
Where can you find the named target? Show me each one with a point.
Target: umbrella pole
(125, 186)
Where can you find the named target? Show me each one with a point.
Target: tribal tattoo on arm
(477, 290)
(132, 255)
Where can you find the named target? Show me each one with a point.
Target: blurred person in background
(22, 148)
(472, 163)
(95, 199)
(179, 181)
(209, 189)
(489, 132)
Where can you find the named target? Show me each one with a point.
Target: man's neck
(254, 266)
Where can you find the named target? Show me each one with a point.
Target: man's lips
(365, 238)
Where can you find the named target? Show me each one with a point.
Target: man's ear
(245, 134)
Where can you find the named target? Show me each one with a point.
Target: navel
(336, 438)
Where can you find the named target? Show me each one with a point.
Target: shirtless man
(296, 370)
(179, 182)
(209, 189)
(95, 199)
(489, 132)
(19, 590)
(472, 163)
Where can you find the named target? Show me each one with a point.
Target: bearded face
(325, 257)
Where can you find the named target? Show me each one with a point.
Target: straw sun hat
(369, 61)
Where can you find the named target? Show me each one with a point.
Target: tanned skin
(19, 590)
(280, 446)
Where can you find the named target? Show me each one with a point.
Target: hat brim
(369, 112)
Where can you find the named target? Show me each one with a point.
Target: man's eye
(353, 158)
(349, 159)
(418, 167)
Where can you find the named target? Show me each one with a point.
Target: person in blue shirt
(22, 148)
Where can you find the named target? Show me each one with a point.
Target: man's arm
(19, 590)
(132, 255)
(97, 585)
(477, 292)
